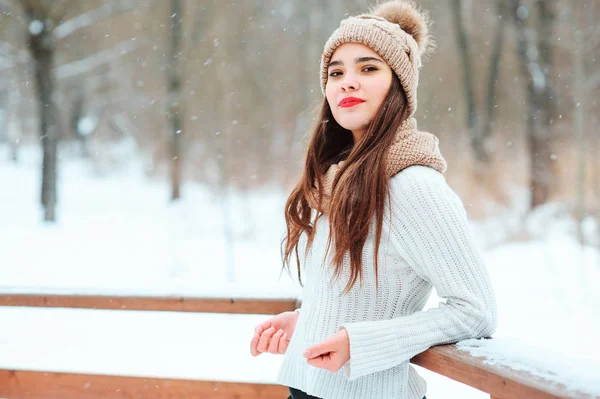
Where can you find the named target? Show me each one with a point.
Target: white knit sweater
(426, 242)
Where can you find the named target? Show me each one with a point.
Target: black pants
(297, 394)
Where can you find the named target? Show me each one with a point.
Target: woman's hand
(274, 335)
(331, 354)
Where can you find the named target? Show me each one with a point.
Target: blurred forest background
(147, 148)
(224, 92)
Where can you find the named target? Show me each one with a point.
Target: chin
(354, 125)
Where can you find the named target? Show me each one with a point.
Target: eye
(333, 74)
(370, 67)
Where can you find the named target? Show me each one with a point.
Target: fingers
(283, 343)
(254, 345)
(259, 329)
(265, 337)
(274, 344)
(269, 336)
(324, 361)
(321, 348)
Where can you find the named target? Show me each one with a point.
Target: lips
(350, 102)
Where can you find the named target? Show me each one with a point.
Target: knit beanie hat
(396, 30)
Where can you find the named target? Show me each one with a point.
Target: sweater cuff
(366, 346)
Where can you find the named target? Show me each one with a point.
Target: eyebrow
(356, 61)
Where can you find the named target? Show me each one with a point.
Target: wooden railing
(24, 384)
(499, 381)
(166, 303)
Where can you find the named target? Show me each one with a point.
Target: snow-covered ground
(118, 233)
(145, 344)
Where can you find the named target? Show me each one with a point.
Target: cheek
(329, 96)
(332, 104)
(379, 94)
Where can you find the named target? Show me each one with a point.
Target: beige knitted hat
(396, 30)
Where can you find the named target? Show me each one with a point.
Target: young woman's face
(357, 84)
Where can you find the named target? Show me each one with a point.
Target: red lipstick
(350, 102)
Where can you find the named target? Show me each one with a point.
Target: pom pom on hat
(410, 18)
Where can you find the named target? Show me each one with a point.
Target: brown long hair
(359, 188)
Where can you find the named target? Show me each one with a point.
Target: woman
(377, 227)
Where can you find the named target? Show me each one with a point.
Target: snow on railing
(507, 370)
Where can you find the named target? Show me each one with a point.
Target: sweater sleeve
(429, 227)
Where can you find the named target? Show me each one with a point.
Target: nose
(350, 84)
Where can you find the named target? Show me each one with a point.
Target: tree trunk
(42, 48)
(307, 52)
(547, 107)
(222, 110)
(536, 65)
(224, 194)
(174, 102)
(579, 132)
(13, 129)
(495, 58)
(473, 122)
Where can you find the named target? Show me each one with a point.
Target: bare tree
(174, 103)
(586, 42)
(468, 79)
(494, 70)
(14, 68)
(535, 54)
(42, 45)
(579, 131)
(46, 24)
(479, 122)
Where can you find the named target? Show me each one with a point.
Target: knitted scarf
(410, 147)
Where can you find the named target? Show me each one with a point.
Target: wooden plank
(17, 384)
(173, 304)
(499, 381)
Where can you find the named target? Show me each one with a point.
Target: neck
(358, 134)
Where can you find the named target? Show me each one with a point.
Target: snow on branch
(101, 57)
(91, 17)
